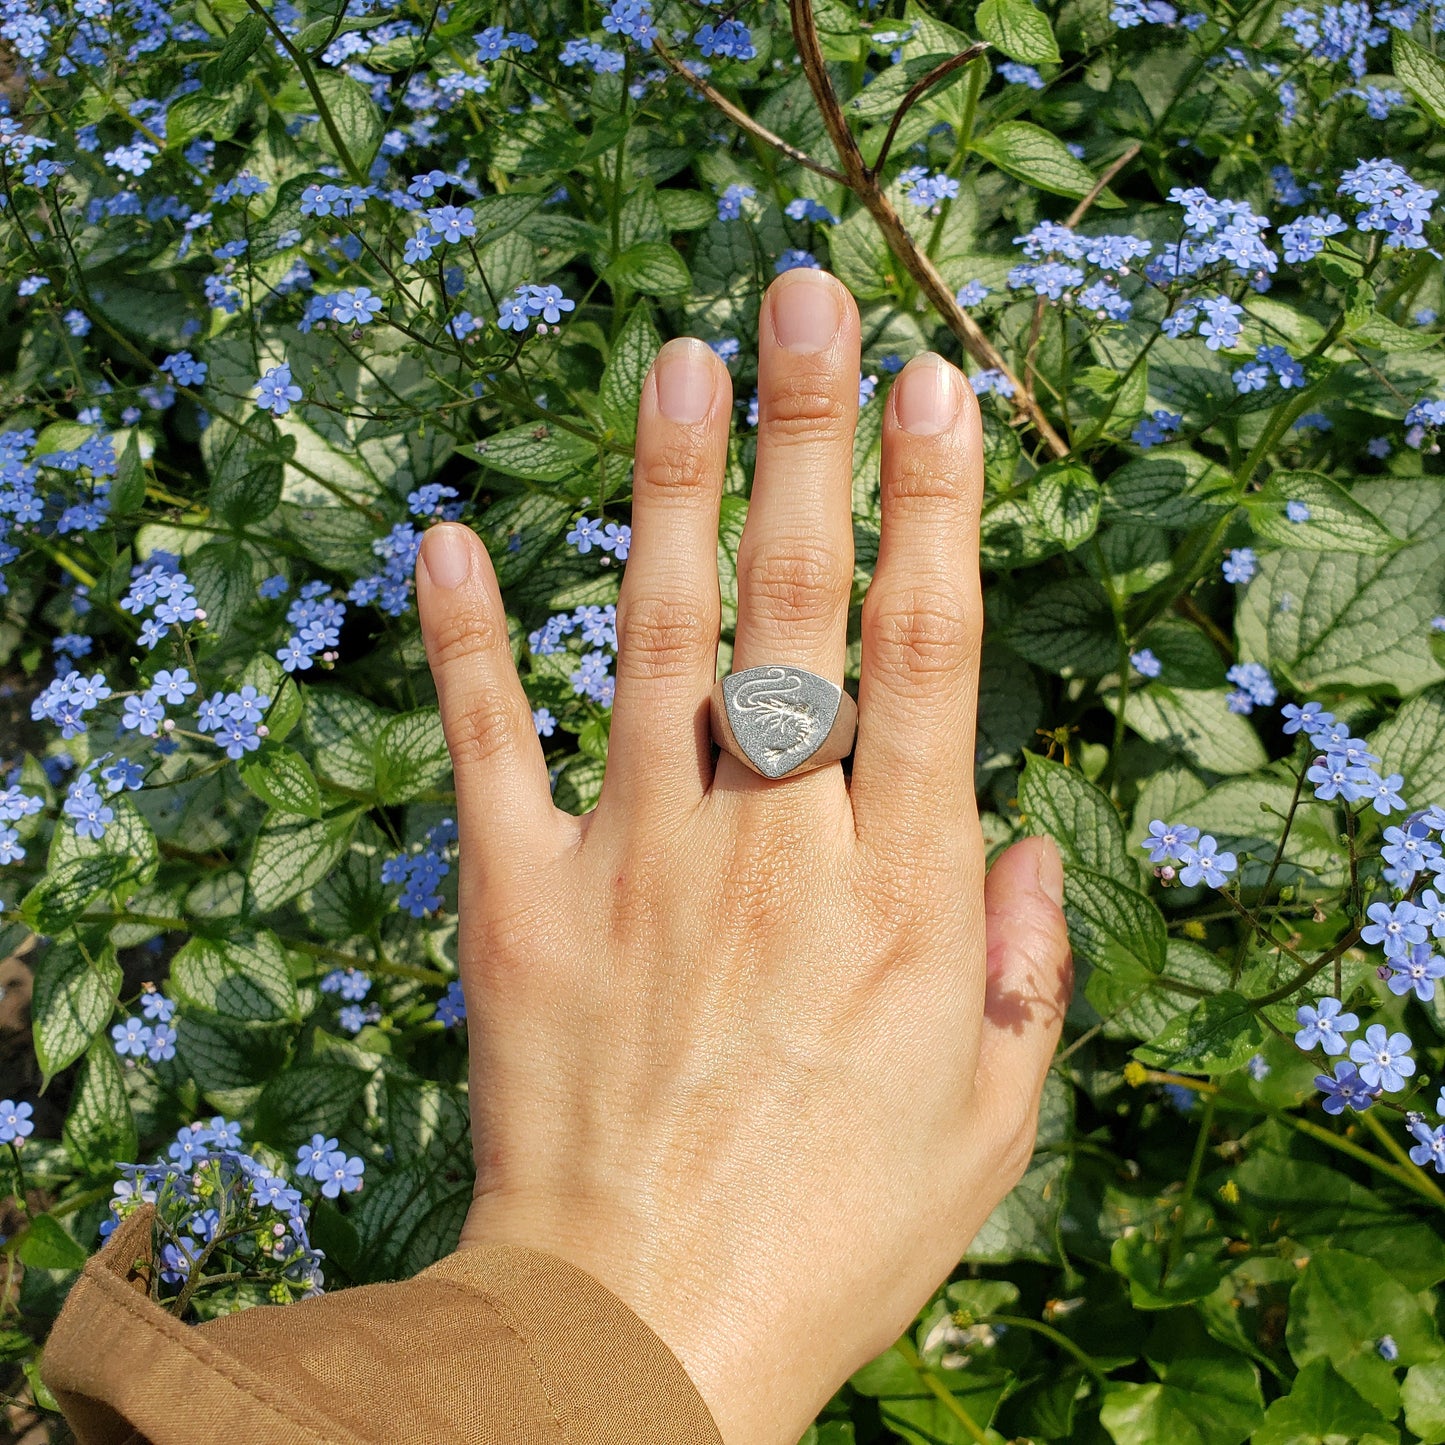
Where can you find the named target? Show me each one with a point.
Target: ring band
(779, 720)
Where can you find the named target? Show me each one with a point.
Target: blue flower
(1322, 1025)
(1016, 74)
(340, 1172)
(1419, 972)
(1430, 912)
(1346, 1090)
(1296, 512)
(15, 1122)
(543, 721)
(1383, 1058)
(1165, 841)
(1335, 776)
(1239, 564)
(971, 293)
(133, 1037)
(793, 260)
(1203, 862)
(585, 534)
(451, 1008)
(1308, 718)
(730, 203)
(1429, 1150)
(1396, 930)
(311, 1158)
(1145, 663)
(276, 391)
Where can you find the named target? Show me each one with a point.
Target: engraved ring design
(781, 720)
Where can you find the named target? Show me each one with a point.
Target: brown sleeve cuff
(492, 1346)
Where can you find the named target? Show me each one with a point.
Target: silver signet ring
(780, 720)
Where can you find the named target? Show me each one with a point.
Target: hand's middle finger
(795, 560)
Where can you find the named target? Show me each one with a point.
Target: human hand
(760, 1056)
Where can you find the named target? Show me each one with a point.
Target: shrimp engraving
(788, 724)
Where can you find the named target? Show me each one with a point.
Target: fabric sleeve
(491, 1345)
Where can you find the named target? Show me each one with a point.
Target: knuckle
(460, 635)
(797, 582)
(804, 404)
(921, 482)
(919, 635)
(672, 467)
(480, 727)
(662, 637)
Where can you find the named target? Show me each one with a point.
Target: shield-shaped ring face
(779, 715)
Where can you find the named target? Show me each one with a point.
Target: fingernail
(447, 556)
(686, 380)
(806, 310)
(926, 397)
(1051, 873)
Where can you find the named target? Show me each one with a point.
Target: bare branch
(1101, 185)
(915, 261)
(916, 93)
(740, 117)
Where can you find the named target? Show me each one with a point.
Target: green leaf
(536, 452)
(100, 1127)
(1423, 1395)
(291, 856)
(247, 36)
(627, 369)
(1024, 1224)
(411, 756)
(1113, 926)
(46, 1245)
(1065, 627)
(1322, 1409)
(1177, 489)
(351, 899)
(229, 1060)
(1422, 72)
(358, 121)
(243, 978)
(342, 728)
(1064, 498)
(427, 1121)
(652, 267)
(1141, 1260)
(1326, 1209)
(1213, 1400)
(1384, 335)
(308, 1099)
(1338, 1309)
(216, 117)
(519, 530)
(1038, 158)
(74, 999)
(1217, 1036)
(65, 893)
(1336, 522)
(283, 779)
(409, 1218)
(1412, 743)
(1338, 617)
(128, 490)
(1018, 29)
(1196, 723)
(1063, 804)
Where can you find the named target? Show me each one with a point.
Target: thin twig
(740, 117)
(915, 261)
(916, 92)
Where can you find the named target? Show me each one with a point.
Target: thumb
(1030, 979)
